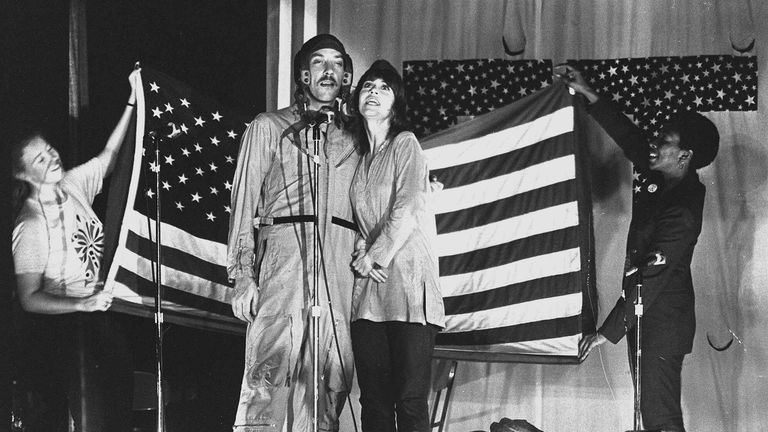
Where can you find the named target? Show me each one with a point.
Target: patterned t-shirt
(61, 236)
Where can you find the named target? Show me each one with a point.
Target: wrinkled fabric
(389, 198)
(273, 179)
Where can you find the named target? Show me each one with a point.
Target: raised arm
(115, 140)
(628, 136)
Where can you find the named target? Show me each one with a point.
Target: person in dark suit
(667, 220)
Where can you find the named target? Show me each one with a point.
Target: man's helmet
(301, 62)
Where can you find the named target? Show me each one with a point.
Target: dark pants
(660, 398)
(393, 361)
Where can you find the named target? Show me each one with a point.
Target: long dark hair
(383, 70)
(21, 189)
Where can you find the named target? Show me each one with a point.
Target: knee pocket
(268, 352)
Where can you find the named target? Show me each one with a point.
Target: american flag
(442, 92)
(196, 171)
(514, 232)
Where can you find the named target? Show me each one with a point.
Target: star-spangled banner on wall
(650, 89)
(440, 92)
(196, 170)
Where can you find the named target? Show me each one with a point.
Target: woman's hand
(133, 79)
(365, 267)
(574, 79)
(360, 247)
(434, 185)
(100, 301)
(588, 342)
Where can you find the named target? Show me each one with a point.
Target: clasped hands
(364, 265)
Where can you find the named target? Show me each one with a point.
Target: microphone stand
(657, 259)
(156, 140)
(324, 116)
(638, 352)
(315, 309)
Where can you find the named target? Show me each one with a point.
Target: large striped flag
(196, 170)
(514, 232)
(513, 222)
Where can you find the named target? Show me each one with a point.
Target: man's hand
(573, 78)
(246, 299)
(365, 266)
(588, 342)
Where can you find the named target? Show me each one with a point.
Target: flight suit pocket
(269, 351)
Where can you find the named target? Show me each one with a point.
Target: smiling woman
(667, 222)
(397, 308)
(57, 249)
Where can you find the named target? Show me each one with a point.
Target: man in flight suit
(273, 268)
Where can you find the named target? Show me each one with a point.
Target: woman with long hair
(397, 308)
(57, 247)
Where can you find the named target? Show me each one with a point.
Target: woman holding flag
(57, 247)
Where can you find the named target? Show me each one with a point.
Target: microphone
(322, 116)
(653, 259)
(169, 132)
(327, 114)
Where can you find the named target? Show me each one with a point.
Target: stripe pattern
(514, 231)
(196, 178)
(290, 24)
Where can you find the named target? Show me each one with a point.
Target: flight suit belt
(260, 221)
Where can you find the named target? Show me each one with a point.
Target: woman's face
(41, 162)
(665, 152)
(376, 99)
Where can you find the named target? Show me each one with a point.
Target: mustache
(330, 78)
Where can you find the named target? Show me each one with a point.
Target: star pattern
(441, 93)
(197, 167)
(653, 88)
(650, 90)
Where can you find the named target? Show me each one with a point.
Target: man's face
(326, 69)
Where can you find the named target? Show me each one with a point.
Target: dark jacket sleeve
(628, 136)
(675, 235)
